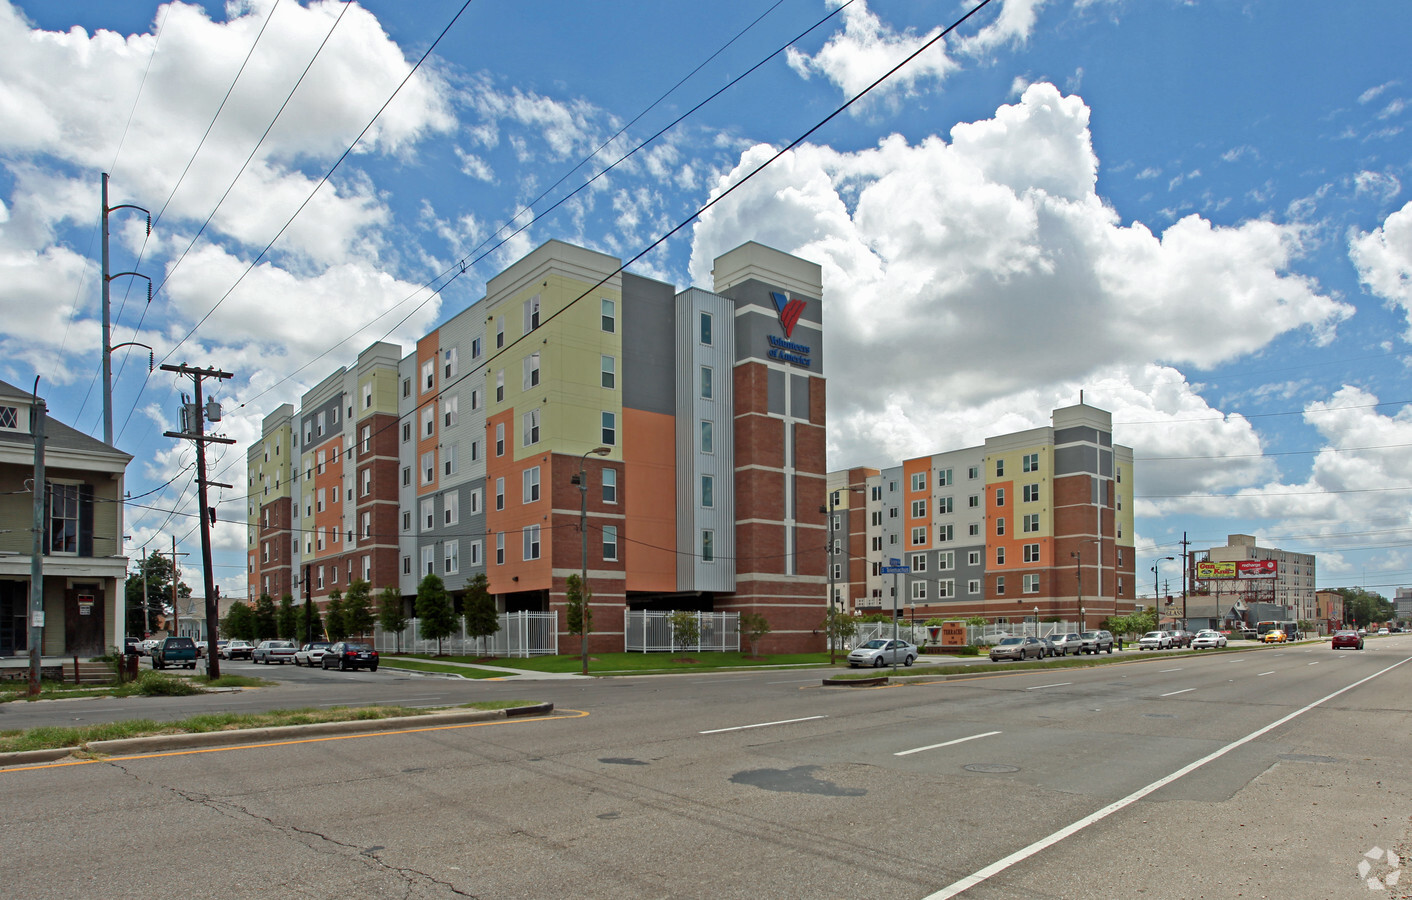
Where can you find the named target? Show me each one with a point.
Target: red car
(1347, 640)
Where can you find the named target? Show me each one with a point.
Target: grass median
(52, 738)
(147, 684)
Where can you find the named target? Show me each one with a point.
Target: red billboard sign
(1240, 568)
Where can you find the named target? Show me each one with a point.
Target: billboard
(1240, 568)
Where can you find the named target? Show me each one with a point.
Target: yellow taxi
(1274, 637)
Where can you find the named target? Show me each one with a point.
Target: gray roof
(58, 435)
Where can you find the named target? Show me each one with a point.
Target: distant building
(1402, 603)
(1328, 610)
(84, 569)
(1037, 519)
(1291, 589)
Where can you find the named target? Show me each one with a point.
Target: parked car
(1181, 637)
(1017, 648)
(174, 651)
(351, 655)
(1208, 640)
(1347, 640)
(1067, 643)
(238, 650)
(880, 652)
(1275, 636)
(1155, 640)
(145, 648)
(1384, 631)
(1096, 641)
(273, 652)
(1049, 648)
(131, 645)
(311, 654)
(200, 649)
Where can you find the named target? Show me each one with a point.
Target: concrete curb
(164, 742)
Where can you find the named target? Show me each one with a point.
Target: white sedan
(311, 654)
(1208, 640)
(879, 652)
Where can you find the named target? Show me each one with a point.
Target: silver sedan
(879, 652)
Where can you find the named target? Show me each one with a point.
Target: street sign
(894, 561)
(896, 570)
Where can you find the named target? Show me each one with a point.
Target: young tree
(333, 616)
(391, 614)
(839, 626)
(266, 624)
(159, 591)
(239, 622)
(755, 626)
(686, 628)
(579, 612)
(436, 616)
(357, 614)
(482, 620)
(287, 619)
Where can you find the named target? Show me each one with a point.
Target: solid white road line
(947, 743)
(1038, 686)
(1182, 691)
(1315, 663)
(1025, 853)
(760, 725)
(1263, 674)
(1164, 671)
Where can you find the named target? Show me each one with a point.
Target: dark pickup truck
(174, 651)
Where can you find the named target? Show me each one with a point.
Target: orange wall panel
(650, 499)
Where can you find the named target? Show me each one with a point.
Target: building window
(451, 557)
(919, 481)
(500, 493)
(944, 506)
(406, 387)
(428, 505)
(530, 534)
(945, 533)
(530, 479)
(708, 541)
(945, 589)
(1031, 553)
(999, 468)
(610, 543)
(406, 565)
(1031, 523)
(1029, 462)
(610, 485)
(946, 560)
(450, 508)
(919, 536)
(707, 386)
(406, 432)
(448, 460)
(1000, 496)
(1029, 584)
(531, 371)
(973, 586)
(406, 520)
(1000, 556)
(500, 334)
(705, 321)
(707, 443)
(429, 560)
(367, 442)
(608, 313)
(1000, 525)
(475, 500)
(608, 372)
(531, 427)
(531, 314)
(974, 529)
(428, 420)
(367, 484)
(1000, 585)
(319, 500)
(1031, 493)
(919, 590)
(708, 491)
(450, 412)
(1118, 473)
(973, 472)
(974, 501)
(919, 562)
(475, 553)
(499, 438)
(919, 509)
(609, 430)
(367, 523)
(500, 548)
(428, 467)
(943, 478)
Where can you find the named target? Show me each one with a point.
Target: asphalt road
(1263, 774)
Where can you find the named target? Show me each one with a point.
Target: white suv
(1155, 640)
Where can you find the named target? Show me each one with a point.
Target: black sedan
(350, 655)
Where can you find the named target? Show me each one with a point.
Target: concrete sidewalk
(520, 674)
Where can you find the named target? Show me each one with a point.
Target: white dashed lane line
(945, 743)
(1182, 691)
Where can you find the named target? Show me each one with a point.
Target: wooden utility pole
(37, 413)
(194, 429)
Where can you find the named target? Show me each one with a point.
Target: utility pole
(146, 616)
(37, 412)
(107, 315)
(194, 429)
(1186, 563)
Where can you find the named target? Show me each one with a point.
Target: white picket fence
(647, 631)
(978, 635)
(521, 634)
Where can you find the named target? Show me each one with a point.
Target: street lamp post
(1156, 591)
(582, 480)
(1079, 582)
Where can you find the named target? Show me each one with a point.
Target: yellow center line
(571, 714)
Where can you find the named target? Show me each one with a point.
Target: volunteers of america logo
(788, 310)
(1380, 869)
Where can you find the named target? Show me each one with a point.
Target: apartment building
(1036, 522)
(696, 418)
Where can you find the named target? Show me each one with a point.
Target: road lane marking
(1314, 663)
(1059, 684)
(947, 743)
(1182, 691)
(761, 725)
(1073, 828)
(1263, 674)
(1164, 671)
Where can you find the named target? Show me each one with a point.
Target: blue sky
(1193, 211)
